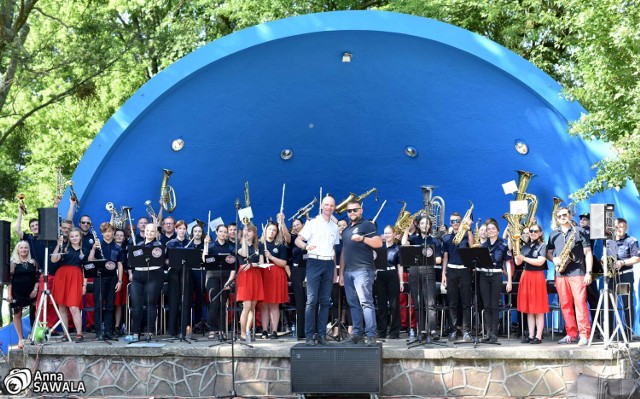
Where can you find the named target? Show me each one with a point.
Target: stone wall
(159, 370)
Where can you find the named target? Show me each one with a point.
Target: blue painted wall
(459, 98)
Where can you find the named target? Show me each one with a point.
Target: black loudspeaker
(336, 369)
(602, 221)
(48, 224)
(5, 250)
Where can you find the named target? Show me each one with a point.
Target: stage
(167, 369)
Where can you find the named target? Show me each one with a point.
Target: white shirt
(324, 235)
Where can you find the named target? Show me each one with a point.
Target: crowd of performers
(313, 266)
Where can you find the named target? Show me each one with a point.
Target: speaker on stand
(5, 251)
(48, 222)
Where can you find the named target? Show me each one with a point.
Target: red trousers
(572, 295)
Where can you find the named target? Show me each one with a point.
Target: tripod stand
(604, 305)
(471, 259)
(337, 323)
(202, 324)
(94, 269)
(181, 258)
(42, 304)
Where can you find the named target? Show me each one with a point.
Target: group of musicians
(314, 258)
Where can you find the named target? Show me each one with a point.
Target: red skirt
(249, 285)
(121, 296)
(532, 292)
(274, 283)
(67, 291)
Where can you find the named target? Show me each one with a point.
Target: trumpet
(151, 212)
(20, 199)
(72, 192)
(304, 210)
(167, 193)
(352, 198)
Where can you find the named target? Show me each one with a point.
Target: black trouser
(197, 285)
(145, 295)
(216, 315)
(459, 295)
(104, 294)
(593, 294)
(387, 290)
(300, 298)
(491, 291)
(178, 287)
(624, 315)
(426, 280)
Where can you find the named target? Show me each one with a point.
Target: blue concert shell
(460, 100)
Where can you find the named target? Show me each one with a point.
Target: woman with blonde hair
(249, 280)
(23, 285)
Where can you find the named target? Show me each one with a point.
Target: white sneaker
(583, 342)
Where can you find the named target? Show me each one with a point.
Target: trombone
(352, 197)
(304, 210)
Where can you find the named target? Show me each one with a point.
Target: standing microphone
(237, 203)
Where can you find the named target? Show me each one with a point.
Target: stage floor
(166, 369)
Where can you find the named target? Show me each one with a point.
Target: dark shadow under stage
(167, 369)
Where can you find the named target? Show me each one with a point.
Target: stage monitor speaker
(336, 369)
(602, 221)
(5, 250)
(48, 224)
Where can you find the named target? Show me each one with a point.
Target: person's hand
(587, 279)
(357, 238)
(310, 247)
(444, 279)
(401, 286)
(118, 286)
(9, 298)
(519, 259)
(280, 217)
(267, 254)
(246, 267)
(341, 281)
(508, 289)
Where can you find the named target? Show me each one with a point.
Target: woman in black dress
(23, 285)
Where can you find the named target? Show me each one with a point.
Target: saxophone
(464, 227)
(566, 255)
(476, 235)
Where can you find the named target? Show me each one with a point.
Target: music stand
(471, 258)
(146, 257)
(420, 257)
(222, 262)
(97, 269)
(183, 258)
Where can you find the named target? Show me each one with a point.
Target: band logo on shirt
(156, 252)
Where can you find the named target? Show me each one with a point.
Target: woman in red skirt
(70, 282)
(249, 280)
(274, 278)
(532, 293)
(121, 296)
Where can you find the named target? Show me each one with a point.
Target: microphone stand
(233, 392)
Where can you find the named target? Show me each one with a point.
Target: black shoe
(535, 341)
(435, 336)
(493, 339)
(310, 342)
(371, 341)
(353, 340)
(453, 336)
(110, 337)
(99, 337)
(526, 340)
(322, 340)
(394, 336)
(274, 335)
(265, 335)
(486, 339)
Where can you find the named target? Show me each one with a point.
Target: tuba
(521, 195)
(464, 227)
(352, 197)
(72, 193)
(167, 193)
(435, 208)
(515, 230)
(21, 204)
(554, 221)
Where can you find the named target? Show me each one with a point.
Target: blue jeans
(358, 287)
(319, 284)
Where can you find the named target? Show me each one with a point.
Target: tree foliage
(66, 67)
